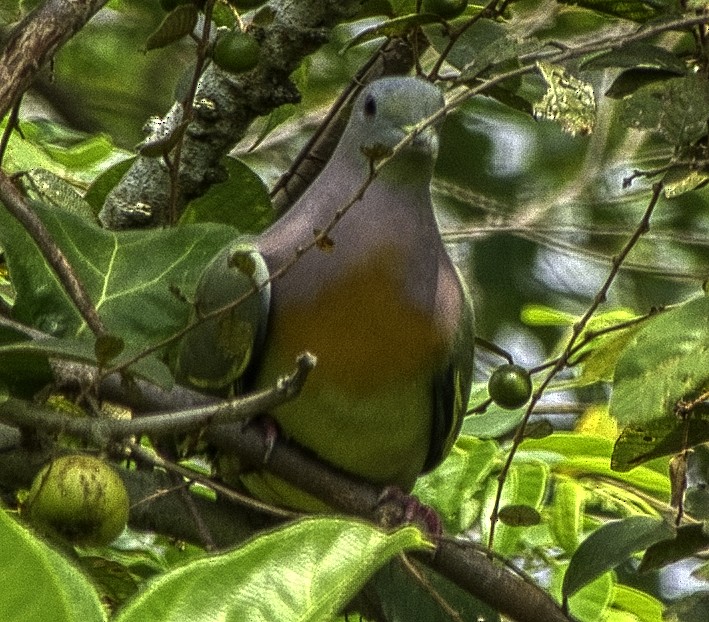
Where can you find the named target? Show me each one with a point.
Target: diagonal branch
(17, 205)
(35, 40)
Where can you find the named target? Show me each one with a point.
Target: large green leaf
(38, 583)
(668, 362)
(131, 277)
(307, 571)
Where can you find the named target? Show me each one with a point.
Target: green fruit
(80, 498)
(510, 386)
(236, 51)
(447, 9)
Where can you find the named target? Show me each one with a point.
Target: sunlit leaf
(308, 571)
(568, 100)
(667, 362)
(28, 561)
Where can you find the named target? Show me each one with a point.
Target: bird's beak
(426, 139)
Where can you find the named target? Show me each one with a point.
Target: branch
(35, 40)
(101, 430)
(17, 205)
(563, 360)
(225, 106)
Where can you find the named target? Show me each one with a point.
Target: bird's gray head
(387, 110)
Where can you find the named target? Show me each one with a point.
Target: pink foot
(397, 508)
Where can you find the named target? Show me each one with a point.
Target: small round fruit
(447, 9)
(80, 498)
(510, 386)
(236, 51)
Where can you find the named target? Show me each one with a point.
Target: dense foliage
(571, 190)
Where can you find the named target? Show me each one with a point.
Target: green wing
(214, 354)
(451, 389)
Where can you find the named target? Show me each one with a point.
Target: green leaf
(683, 178)
(610, 545)
(661, 437)
(676, 109)
(638, 56)
(480, 46)
(23, 359)
(49, 146)
(130, 276)
(583, 455)
(29, 568)
(565, 519)
(402, 598)
(180, 22)
(519, 516)
(242, 201)
(668, 362)
(632, 80)
(688, 541)
(641, 605)
(306, 571)
(542, 315)
(452, 486)
(591, 602)
(107, 348)
(42, 185)
(395, 27)
(636, 10)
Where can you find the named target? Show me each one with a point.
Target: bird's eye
(370, 106)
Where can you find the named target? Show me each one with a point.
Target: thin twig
(16, 204)
(562, 361)
(174, 161)
(20, 413)
(9, 128)
(147, 456)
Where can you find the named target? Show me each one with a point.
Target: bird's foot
(397, 508)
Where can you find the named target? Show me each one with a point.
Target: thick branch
(100, 430)
(225, 106)
(472, 570)
(35, 40)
